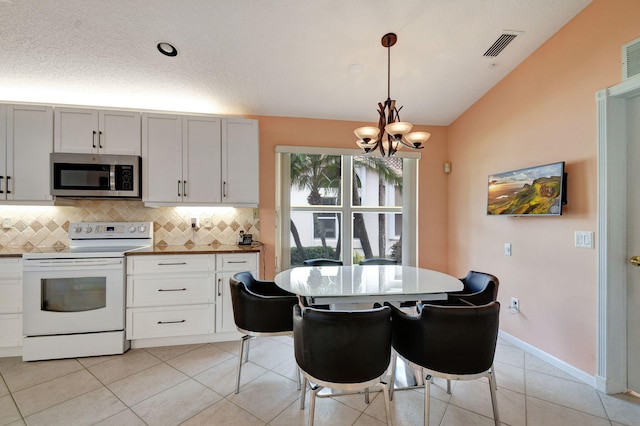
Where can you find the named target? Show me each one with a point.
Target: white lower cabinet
(227, 265)
(182, 296)
(10, 306)
(170, 295)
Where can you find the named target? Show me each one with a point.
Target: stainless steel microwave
(95, 175)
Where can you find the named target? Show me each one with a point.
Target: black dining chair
(343, 350)
(260, 308)
(378, 261)
(479, 288)
(322, 262)
(450, 342)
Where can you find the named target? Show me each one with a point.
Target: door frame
(611, 376)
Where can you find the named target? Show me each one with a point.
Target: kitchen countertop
(195, 249)
(176, 249)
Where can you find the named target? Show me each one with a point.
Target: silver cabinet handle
(172, 289)
(171, 322)
(184, 188)
(172, 263)
(219, 286)
(100, 139)
(237, 261)
(93, 139)
(224, 189)
(179, 195)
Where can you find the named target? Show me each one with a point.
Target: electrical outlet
(6, 222)
(195, 223)
(507, 249)
(207, 222)
(515, 304)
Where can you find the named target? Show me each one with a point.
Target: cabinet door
(162, 158)
(30, 141)
(119, 132)
(229, 264)
(3, 151)
(76, 130)
(240, 153)
(201, 159)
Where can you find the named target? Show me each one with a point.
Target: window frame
(409, 208)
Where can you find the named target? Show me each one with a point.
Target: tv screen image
(534, 191)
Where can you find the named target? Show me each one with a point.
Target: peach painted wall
(542, 112)
(332, 133)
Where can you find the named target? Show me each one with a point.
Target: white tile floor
(193, 385)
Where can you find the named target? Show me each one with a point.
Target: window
(342, 205)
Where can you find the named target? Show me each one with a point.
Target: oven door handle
(63, 263)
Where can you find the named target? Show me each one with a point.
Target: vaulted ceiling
(295, 58)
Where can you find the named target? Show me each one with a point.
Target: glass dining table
(366, 284)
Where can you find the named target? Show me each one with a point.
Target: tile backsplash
(41, 226)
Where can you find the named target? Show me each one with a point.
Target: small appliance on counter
(74, 298)
(245, 239)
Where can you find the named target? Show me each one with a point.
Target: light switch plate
(583, 239)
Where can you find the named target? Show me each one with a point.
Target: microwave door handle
(112, 177)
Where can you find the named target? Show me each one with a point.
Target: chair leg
(298, 377)
(494, 399)
(312, 404)
(366, 395)
(387, 405)
(246, 354)
(244, 340)
(493, 373)
(427, 396)
(303, 392)
(449, 386)
(392, 379)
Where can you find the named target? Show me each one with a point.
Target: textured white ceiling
(268, 57)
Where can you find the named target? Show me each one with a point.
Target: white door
(119, 132)
(76, 130)
(201, 159)
(633, 245)
(240, 152)
(162, 158)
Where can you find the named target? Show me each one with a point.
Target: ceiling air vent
(500, 44)
(631, 59)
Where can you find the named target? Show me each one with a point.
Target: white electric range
(74, 297)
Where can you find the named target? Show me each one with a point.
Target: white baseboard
(550, 359)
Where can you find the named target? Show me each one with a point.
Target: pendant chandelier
(392, 133)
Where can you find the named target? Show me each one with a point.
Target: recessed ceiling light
(167, 49)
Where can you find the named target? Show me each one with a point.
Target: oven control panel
(105, 230)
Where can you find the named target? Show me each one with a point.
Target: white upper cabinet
(199, 160)
(240, 159)
(93, 131)
(181, 157)
(26, 140)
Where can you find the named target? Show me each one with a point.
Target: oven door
(66, 296)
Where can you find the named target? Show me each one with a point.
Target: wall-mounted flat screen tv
(534, 191)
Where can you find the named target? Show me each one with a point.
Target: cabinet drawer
(10, 296)
(143, 323)
(238, 262)
(11, 268)
(171, 289)
(169, 263)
